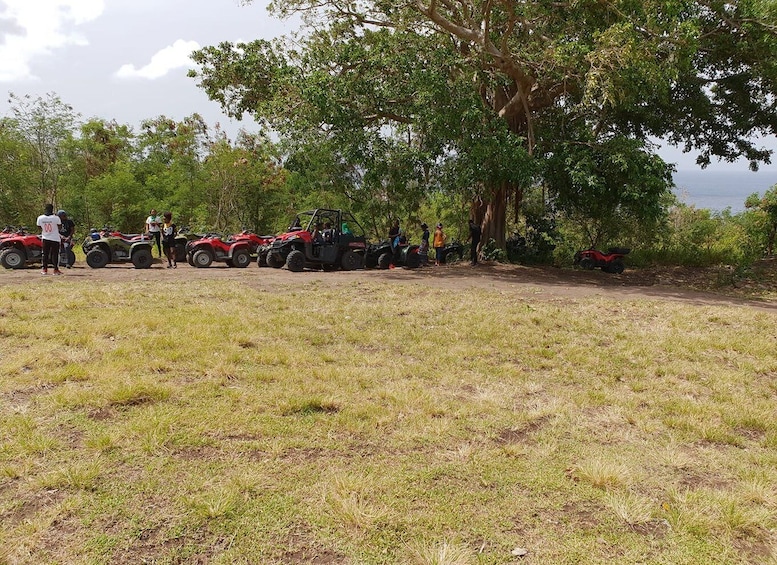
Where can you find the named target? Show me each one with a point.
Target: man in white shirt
(153, 223)
(49, 224)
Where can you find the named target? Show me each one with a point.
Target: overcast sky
(127, 59)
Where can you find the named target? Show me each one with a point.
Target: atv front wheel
(202, 259)
(385, 260)
(295, 262)
(141, 258)
(12, 259)
(97, 258)
(587, 264)
(352, 261)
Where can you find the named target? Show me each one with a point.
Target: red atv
(329, 239)
(610, 262)
(19, 249)
(257, 244)
(234, 252)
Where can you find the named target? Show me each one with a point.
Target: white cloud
(162, 62)
(30, 29)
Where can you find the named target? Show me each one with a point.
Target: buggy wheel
(202, 259)
(273, 260)
(12, 259)
(241, 259)
(71, 257)
(97, 258)
(261, 259)
(352, 261)
(385, 260)
(190, 259)
(295, 262)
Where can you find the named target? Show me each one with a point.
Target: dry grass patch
(392, 425)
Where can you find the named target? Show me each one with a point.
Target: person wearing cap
(153, 223)
(439, 244)
(423, 249)
(49, 224)
(66, 230)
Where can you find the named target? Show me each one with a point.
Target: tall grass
(381, 423)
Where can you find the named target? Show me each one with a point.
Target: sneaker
(68, 266)
(44, 271)
(175, 265)
(57, 272)
(169, 266)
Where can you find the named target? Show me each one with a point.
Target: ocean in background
(718, 190)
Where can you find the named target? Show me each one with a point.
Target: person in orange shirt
(438, 243)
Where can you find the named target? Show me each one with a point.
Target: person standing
(66, 231)
(439, 244)
(474, 238)
(49, 224)
(168, 239)
(393, 234)
(153, 223)
(423, 249)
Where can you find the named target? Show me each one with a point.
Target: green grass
(381, 423)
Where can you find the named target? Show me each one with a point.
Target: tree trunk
(491, 213)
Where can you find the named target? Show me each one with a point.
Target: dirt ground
(700, 286)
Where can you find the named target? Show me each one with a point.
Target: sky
(126, 60)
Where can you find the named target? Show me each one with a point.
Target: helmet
(61, 213)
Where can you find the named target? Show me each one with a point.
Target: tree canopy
(502, 92)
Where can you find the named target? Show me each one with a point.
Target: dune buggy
(328, 239)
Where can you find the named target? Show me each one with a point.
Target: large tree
(694, 73)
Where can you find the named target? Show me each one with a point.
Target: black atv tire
(71, 258)
(385, 260)
(587, 264)
(261, 259)
(451, 257)
(97, 258)
(180, 252)
(295, 262)
(616, 267)
(241, 259)
(412, 261)
(190, 259)
(12, 259)
(329, 267)
(274, 260)
(202, 259)
(351, 261)
(141, 258)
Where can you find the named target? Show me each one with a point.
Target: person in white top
(49, 224)
(153, 223)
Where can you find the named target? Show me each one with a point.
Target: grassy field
(382, 423)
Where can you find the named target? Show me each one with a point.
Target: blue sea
(717, 190)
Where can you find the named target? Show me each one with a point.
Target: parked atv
(203, 252)
(329, 239)
(114, 247)
(19, 249)
(452, 252)
(382, 256)
(610, 262)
